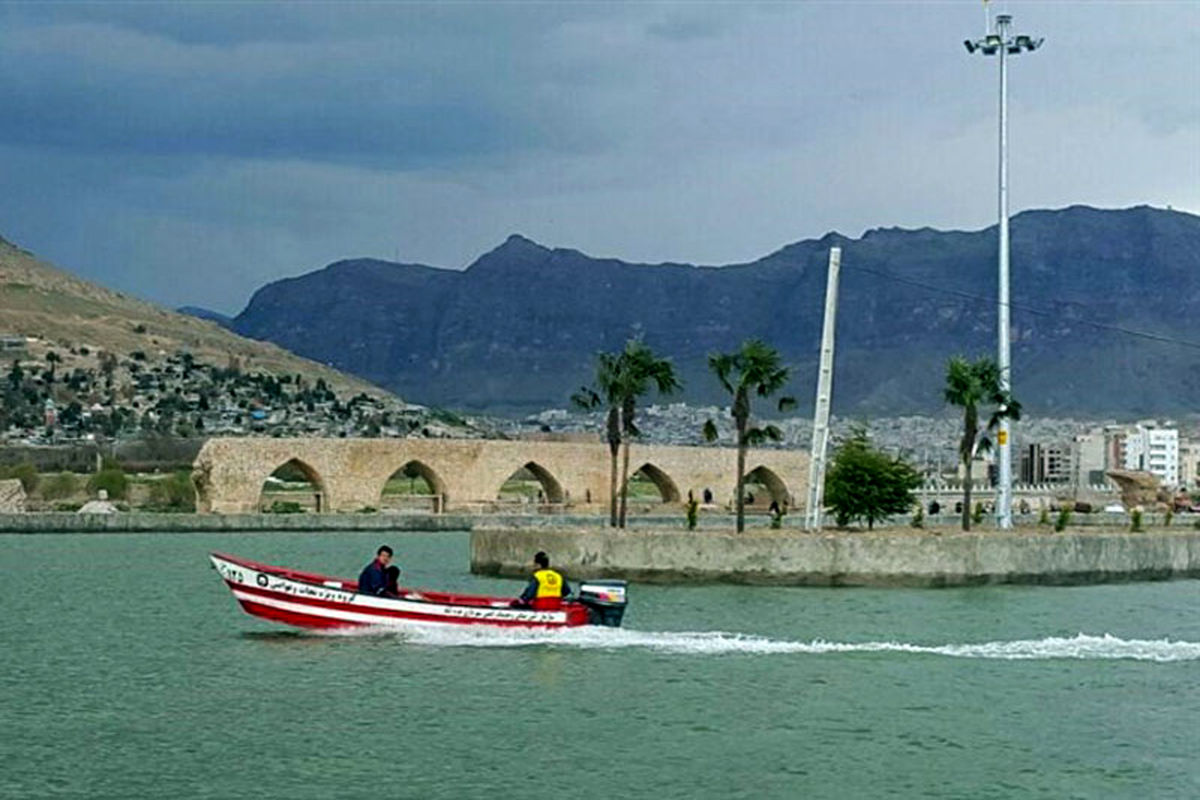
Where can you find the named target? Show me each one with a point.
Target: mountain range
(1105, 305)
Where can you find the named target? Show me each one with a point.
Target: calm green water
(127, 671)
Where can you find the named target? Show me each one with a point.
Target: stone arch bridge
(466, 474)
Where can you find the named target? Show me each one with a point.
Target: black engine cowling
(605, 600)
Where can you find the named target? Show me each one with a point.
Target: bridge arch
(320, 492)
(412, 469)
(552, 490)
(661, 480)
(764, 476)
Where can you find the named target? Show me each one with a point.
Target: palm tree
(642, 371)
(753, 369)
(973, 386)
(622, 378)
(606, 393)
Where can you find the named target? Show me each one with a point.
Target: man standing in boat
(546, 588)
(374, 577)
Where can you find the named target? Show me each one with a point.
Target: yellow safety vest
(549, 583)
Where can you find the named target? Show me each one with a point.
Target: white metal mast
(820, 438)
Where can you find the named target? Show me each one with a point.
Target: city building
(1047, 463)
(1147, 448)
(1189, 464)
(1087, 459)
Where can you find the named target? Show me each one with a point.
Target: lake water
(128, 671)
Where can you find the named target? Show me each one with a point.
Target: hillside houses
(82, 395)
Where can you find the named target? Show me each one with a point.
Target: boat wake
(1080, 646)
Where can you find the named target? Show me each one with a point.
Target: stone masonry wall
(350, 473)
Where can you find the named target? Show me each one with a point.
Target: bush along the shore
(691, 511)
(918, 518)
(60, 486)
(112, 479)
(1044, 516)
(173, 493)
(866, 483)
(1135, 521)
(777, 518)
(26, 473)
(1064, 519)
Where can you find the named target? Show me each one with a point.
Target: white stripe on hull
(299, 591)
(321, 611)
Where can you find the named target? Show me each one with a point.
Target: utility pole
(1000, 43)
(820, 437)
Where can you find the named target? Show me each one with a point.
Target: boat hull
(308, 600)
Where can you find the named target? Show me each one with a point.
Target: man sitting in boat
(374, 577)
(546, 588)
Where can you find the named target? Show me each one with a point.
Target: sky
(189, 153)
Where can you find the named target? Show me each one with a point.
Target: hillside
(519, 328)
(66, 313)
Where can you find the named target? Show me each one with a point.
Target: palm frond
(587, 399)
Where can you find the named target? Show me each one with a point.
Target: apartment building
(1189, 464)
(1047, 463)
(1147, 448)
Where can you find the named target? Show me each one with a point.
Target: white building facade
(1153, 450)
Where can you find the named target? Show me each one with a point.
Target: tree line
(862, 483)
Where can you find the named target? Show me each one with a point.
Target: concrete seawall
(844, 559)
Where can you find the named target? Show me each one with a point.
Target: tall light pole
(1001, 43)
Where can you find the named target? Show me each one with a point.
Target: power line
(1154, 337)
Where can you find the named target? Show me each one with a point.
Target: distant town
(59, 396)
(77, 395)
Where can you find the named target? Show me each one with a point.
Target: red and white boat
(309, 600)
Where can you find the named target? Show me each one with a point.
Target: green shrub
(60, 486)
(113, 481)
(1064, 519)
(1135, 521)
(918, 519)
(26, 473)
(691, 510)
(285, 507)
(173, 493)
(368, 510)
(67, 506)
(977, 514)
(777, 518)
(1044, 516)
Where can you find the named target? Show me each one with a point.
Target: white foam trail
(1080, 646)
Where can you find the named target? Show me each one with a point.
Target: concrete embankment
(242, 523)
(843, 559)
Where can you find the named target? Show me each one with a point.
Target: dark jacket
(373, 579)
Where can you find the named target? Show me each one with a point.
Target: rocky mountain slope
(65, 313)
(518, 329)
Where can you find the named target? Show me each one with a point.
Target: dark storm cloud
(190, 152)
(172, 83)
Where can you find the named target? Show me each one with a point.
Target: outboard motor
(605, 601)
